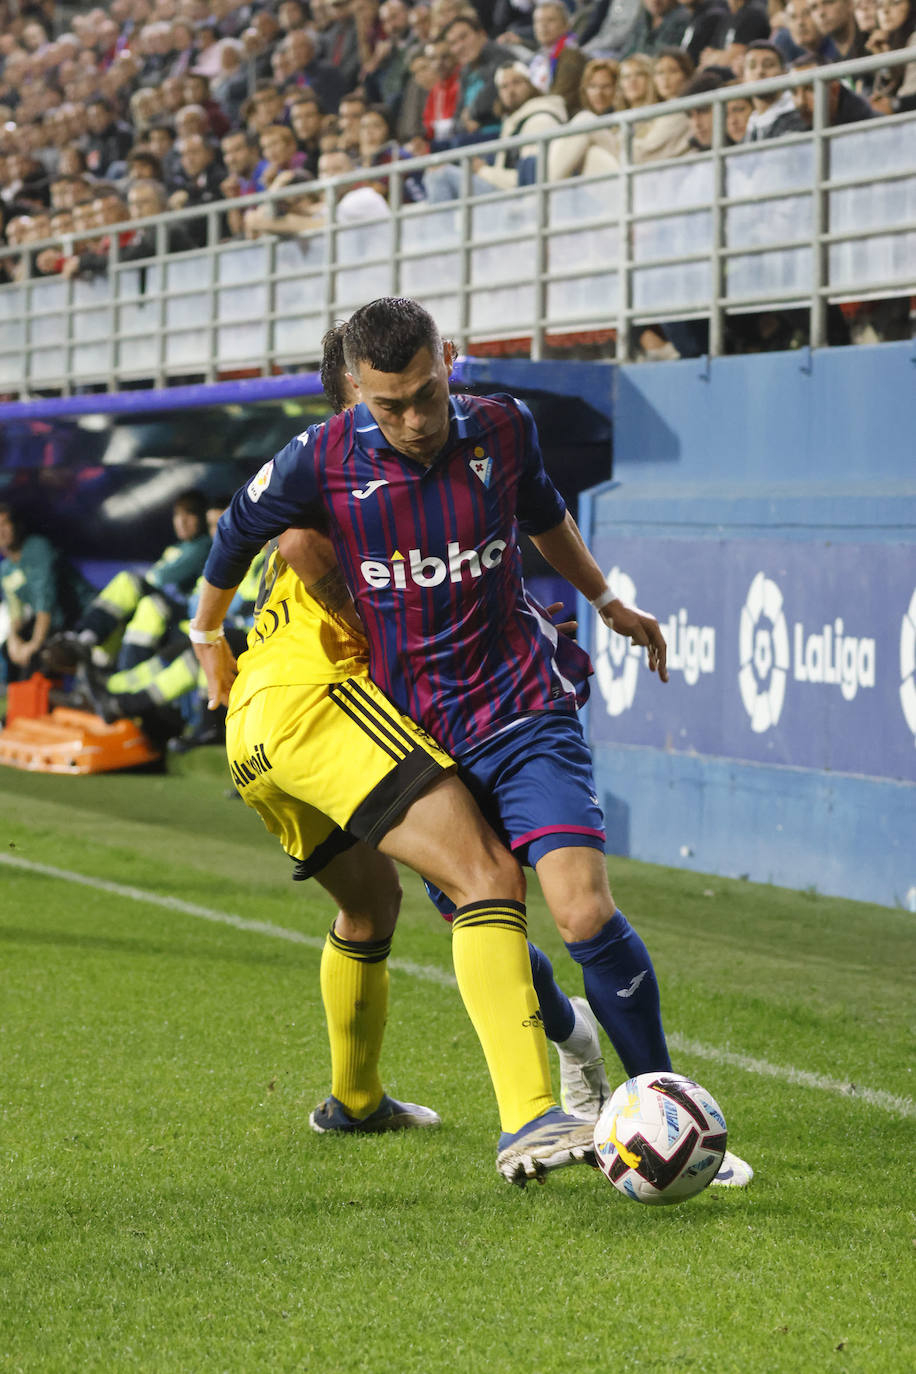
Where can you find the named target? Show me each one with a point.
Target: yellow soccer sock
(354, 990)
(490, 953)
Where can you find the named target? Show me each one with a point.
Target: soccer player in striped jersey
(301, 703)
(425, 496)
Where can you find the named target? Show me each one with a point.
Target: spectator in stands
(265, 107)
(305, 121)
(866, 15)
(338, 39)
(742, 23)
(422, 79)
(41, 593)
(511, 23)
(207, 53)
(242, 160)
(800, 33)
(836, 23)
(350, 112)
(306, 69)
(183, 51)
(660, 24)
(441, 108)
(895, 87)
(843, 105)
(197, 92)
(145, 106)
(738, 111)
(258, 46)
(557, 66)
(144, 199)
(109, 209)
(477, 59)
(279, 152)
(198, 182)
(774, 114)
(377, 144)
(229, 86)
(701, 117)
(671, 72)
(664, 135)
(289, 217)
(705, 16)
(385, 74)
(591, 151)
(161, 139)
(132, 615)
(525, 110)
(142, 163)
(605, 28)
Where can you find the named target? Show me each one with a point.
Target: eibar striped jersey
(432, 558)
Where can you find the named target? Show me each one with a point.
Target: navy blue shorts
(533, 781)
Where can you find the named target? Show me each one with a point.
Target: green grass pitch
(165, 1207)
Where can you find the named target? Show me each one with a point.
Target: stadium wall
(765, 509)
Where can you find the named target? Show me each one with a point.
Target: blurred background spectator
(591, 151)
(40, 594)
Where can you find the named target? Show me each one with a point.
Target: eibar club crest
(481, 465)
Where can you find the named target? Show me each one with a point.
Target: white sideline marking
(224, 918)
(874, 1097)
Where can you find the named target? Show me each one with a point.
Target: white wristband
(603, 599)
(205, 636)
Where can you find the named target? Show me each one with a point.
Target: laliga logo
(691, 650)
(763, 646)
(908, 665)
(827, 657)
(616, 659)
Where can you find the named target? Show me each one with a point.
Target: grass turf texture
(165, 1206)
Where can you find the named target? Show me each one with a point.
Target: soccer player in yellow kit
(324, 757)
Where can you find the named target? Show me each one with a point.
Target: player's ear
(354, 383)
(449, 353)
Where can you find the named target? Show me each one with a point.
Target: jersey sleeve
(540, 505)
(281, 494)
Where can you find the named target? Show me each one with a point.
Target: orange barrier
(68, 741)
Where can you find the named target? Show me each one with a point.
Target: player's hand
(220, 670)
(566, 627)
(640, 628)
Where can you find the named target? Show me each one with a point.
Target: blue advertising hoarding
(800, 654)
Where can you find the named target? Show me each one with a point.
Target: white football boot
(584, 1086)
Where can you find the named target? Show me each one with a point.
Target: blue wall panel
(765, 509)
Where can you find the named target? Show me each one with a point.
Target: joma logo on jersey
(430, 571)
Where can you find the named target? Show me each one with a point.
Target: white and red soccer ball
(660, 1138)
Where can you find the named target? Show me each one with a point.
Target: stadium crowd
(120, 112)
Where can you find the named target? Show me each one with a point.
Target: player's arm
(281, 494)
(311, 557)
(542, 514)
(211, 647)
(566, 552)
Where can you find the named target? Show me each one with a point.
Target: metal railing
(801, 221)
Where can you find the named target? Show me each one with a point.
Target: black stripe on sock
(363, 951)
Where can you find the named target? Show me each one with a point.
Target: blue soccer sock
(622, 990)
(556, 1009)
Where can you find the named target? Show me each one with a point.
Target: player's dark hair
(16, 522)
(387, 333)
(334, 367)
(194, 502)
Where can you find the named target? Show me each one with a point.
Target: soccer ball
(660, 1138)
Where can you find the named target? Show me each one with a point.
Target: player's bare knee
(584, 918)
